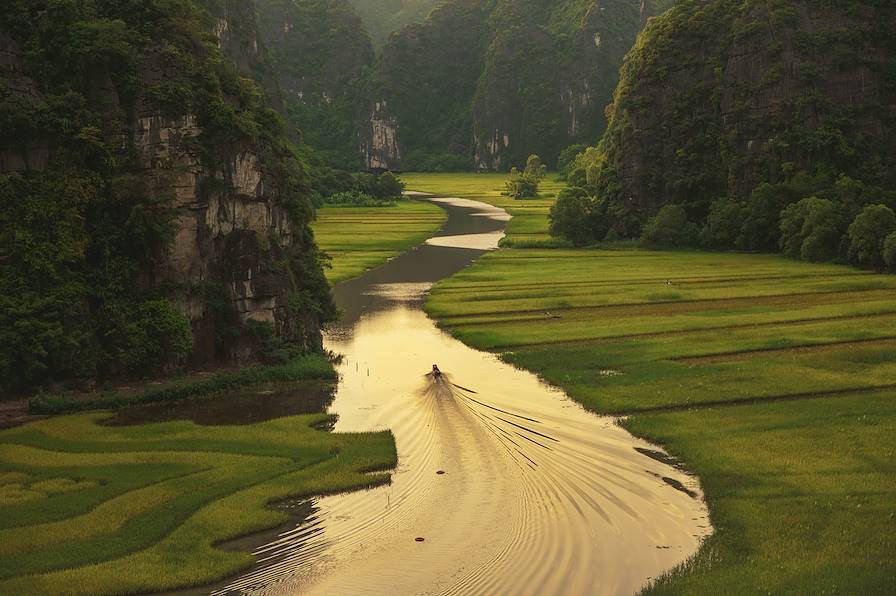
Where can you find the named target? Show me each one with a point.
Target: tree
(760, 230)
(570, 217)
(670, 228)
(535, 169)
(525, 185)
(723, 224)
(566, 160)
(867, 234)
(388, 186)
(811, 229)
(890, 252)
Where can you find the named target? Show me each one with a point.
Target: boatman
(436, 373)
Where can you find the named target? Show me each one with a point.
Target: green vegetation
(771, 379)
(529, 226)
(507, 79)
(322, 57)
(87, 212)
(89, 508)
(301, 368)
(524, 185)
(359, 238)
(384, 17)
(687, 127)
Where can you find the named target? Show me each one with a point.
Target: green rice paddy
(87, 508)
(771, 379)
(529, 226)
(360, 238)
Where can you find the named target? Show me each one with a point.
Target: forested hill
(152, 209)
(729, 104)
(383, 17)
(484, 84)
(480, 84)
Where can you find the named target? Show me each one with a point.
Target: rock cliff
(174, 184)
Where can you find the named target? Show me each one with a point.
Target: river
(504, 485)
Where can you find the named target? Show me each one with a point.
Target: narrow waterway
(512, 487)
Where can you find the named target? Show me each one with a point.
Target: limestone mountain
(485, 83)
(384, 17)
(322, 57)
(153, 209)
(721, 97)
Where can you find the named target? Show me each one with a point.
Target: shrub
(890, 252)
(867, 234)
(670, 228)
(355, 198)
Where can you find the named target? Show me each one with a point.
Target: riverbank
(136, 501)
(360, 238)
(771, 379)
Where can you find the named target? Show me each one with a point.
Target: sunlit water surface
(513, 487)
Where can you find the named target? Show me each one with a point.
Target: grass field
(89, 508)
(360, 238)
(773, 380)
(529, 226)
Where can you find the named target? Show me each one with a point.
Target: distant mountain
(484, 83)
(383, 17)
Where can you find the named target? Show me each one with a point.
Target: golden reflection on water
(537, 496)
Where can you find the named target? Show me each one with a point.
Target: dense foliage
(506, 78)
(384, 17)
(322, 58)
(764, 123)
(83, 223)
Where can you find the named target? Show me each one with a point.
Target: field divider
(747, 401)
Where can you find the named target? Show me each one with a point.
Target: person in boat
(436, 373)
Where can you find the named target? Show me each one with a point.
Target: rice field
(89, 508)
(529, 225)
(360, 238)
(771, 379)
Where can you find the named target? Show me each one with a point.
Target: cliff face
(718, 97)
(419, 109)
(171, 180)
(507, 78)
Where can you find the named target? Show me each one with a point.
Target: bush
(890, 252)
(570, 217)
(811, 230)
(355, 198)
(525, 185)
(867, 234)
(670, 228)
(383, 187)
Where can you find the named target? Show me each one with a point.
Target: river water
(512, 487)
